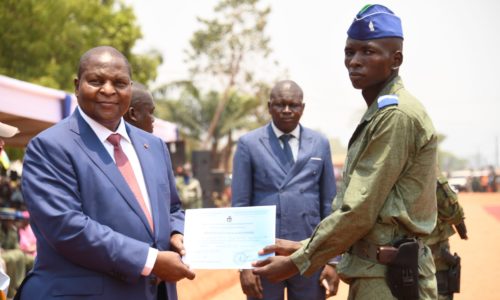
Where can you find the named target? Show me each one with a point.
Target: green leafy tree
(43, 40)
(225, 53)
(184, 104)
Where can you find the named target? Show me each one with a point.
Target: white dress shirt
(128, 148)
(294, 139)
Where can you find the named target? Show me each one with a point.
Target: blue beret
(375, 22)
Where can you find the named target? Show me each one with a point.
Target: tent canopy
(33, 108)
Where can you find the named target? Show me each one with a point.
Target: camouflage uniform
(13, 257)
(449, 213)
(387, 193)
(190, 193)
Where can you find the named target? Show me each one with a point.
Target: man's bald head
(140, 94)
(286, 89)
(140, 112)
(101, 50)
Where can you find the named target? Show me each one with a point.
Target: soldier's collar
(390, 89)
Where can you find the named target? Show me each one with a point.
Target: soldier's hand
(177, 244)
(169, 267)
(329, 280)
(281, 247)
(251, 285)
(275, 268)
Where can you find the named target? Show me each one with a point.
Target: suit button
(301, 191)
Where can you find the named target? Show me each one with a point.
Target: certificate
(228, 238)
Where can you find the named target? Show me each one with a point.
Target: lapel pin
(146, 146)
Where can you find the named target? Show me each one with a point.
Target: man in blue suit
(103, 232)
(290, 166)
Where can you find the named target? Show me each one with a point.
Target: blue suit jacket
(92, 236)
(303, 197)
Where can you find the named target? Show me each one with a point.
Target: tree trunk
(227, 152)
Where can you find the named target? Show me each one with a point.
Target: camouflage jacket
(387, 191)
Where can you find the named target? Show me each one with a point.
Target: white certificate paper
(228, 238)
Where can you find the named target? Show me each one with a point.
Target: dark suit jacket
(92, 235)
(303, 196)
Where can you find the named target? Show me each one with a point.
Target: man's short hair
(99, 50)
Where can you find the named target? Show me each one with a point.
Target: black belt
(369, 251)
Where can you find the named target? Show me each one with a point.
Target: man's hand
(169, 267)
(177, 244)
(251, 285)
(275, 268)
(282, 247)
(329, 280)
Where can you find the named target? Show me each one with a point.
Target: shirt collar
(102, 132)
(295, 133)
(391, 88)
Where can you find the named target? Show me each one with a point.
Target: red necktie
(125, 168)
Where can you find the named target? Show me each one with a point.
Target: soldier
(9, 248)
(188, 187)
(450, 214)
(387, 200)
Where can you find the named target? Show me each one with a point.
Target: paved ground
(480, 259)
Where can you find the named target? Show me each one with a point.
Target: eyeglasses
(282, 106)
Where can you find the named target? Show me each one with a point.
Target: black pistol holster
(402, 271)
(449, 280)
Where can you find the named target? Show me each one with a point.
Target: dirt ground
(480, 259)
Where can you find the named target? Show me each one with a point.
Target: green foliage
(228, 45)
(225, 55)
(184, 104)
(43, 40)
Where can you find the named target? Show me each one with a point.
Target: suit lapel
(141, 147)
(272, 145)
(94, 149)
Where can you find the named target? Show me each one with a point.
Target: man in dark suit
(107, 218)
(290, 166)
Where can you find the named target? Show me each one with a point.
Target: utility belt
(401, 259)
(379, 254)
(449, 280)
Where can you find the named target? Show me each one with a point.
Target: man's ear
(131, 114)
(397, 59)
(76, 81)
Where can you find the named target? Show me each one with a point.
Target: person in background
(450, 219)
(492, 180)
(189, 188)
(288, 165)
(9, 248)
(102, 199)
(387, 199)
(141, 109)
(6, 131)
(27, 239)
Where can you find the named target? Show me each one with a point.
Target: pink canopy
(33, 108)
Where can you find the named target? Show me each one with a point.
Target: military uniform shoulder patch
(387, 100)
